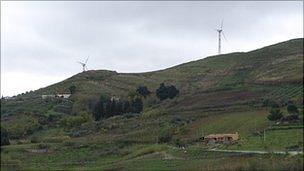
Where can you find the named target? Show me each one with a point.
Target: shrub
(292, 109)
(137, 105)
(178, 142)
(165, 92)
(34, 139)
(165, 135)
(143, 91)
(4, 137)
(72, 89)
(275, 114)
(73, 121)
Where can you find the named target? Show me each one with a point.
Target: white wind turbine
(84, 64)
(220, 32)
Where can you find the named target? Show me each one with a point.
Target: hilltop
(218, 94)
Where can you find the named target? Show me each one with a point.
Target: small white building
(9, 98)
(65, 96)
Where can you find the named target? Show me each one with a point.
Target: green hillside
(218, 94)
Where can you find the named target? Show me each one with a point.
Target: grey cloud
(49, 37)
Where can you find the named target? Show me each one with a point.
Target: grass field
(218, 94)
(139, 157)
(275, 140)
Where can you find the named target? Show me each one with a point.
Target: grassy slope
(218, 94)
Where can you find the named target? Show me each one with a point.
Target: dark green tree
(72, 89)
(172, 92)
(4, 137)
(275, 114)
(108, 109)
(162, 92)
(113, 107)
(137, 105)
(119, 108)
(292, 109)
(98, 111)
(126, 107)
(143, 91)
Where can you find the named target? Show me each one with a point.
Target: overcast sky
(42, 41)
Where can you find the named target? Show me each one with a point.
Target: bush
(165, 135)
(4, 137)
(72, 89)
(143, 91)
(178, 142)
(137, 105)
(292, 109)
(165, 92)
(275, 114)
(73, 121)
(35, 139)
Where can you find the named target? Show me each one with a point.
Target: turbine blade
(87, 60)
(222, 24)
(80, 62)
(224, 37)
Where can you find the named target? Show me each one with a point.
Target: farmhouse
(65, 96)
(221, 138)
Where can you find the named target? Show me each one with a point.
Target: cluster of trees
(165, 92)
(275, 113)
(106, 107)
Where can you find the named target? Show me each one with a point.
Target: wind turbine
(84, 64)
(220, 32)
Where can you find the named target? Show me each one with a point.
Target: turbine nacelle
(219, 30)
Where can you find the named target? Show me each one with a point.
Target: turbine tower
(219, 38)
(84, 65)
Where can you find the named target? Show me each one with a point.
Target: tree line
(107, 107)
